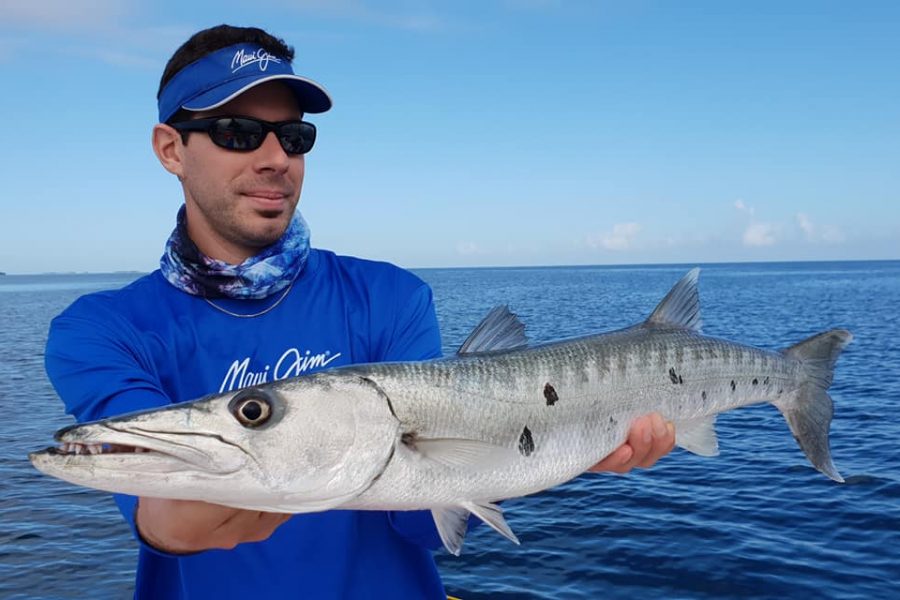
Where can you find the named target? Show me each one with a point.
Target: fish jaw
(127, 458)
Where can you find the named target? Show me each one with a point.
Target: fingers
(180, 526)
(661, 442)
(615, 462)
(246, 526)
(649, 439)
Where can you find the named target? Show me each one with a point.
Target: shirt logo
(292, 363)
(257, 57)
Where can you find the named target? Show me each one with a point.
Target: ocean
(755, 522)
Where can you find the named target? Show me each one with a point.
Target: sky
(482, 133)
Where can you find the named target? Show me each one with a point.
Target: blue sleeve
(416, 336)
(97, 364)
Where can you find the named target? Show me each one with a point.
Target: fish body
(498, 420)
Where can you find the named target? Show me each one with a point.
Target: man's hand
(182, 526)
(649, 439)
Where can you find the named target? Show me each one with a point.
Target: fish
(456, 435)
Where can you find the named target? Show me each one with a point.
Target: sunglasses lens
(297, 138)
(245, 134)
(237, 134)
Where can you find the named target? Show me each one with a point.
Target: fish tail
(809, 411)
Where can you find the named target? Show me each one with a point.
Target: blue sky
(504, 132)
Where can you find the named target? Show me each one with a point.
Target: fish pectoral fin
(452, 523)
(493, 516)
(464, 454)
(698, 435)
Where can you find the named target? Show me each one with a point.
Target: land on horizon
(513, 267)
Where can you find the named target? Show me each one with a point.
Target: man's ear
(168, 147)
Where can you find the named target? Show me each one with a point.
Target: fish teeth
(78, 448)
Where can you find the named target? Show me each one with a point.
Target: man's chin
(266, 234)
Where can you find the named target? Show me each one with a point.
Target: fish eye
(251, 410)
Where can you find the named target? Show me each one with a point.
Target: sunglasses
(244, 134)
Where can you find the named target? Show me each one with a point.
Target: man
(240, 298)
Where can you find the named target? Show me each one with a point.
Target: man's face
(239, 202)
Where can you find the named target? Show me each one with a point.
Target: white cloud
(467, 248)
(813, 233)
(759, 234)
(64, 14)
(620, 238)
(806, 225)
(832, 234)
(532, 4)
(107, 31)
(396, 14)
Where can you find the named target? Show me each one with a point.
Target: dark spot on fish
(672, 375)
(408, 439)
(526, 442)
(766, 380)
(755, 381)
(680, 380)
(780, 391)
(550, 395)
(733, 385)
(703, 395)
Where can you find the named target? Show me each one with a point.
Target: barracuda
(498, 420)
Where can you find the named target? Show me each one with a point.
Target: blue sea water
(755, 522)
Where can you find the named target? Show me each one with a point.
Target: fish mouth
(102, 446)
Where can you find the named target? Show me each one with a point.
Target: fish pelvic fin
(698, 436)
(681, 306)
(499, 330)
(452, 522)
(809, 412)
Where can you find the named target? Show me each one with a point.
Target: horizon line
(523, 266)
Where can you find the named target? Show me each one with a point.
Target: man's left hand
(649, 439)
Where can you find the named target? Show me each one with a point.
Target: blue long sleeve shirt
(149, 345)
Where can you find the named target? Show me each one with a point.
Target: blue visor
(225, 74)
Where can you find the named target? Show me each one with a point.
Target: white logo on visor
(257, 57)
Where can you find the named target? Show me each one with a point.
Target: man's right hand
(184, 526)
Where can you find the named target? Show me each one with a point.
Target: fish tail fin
(809, 411)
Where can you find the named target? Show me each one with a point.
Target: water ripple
(755, 522)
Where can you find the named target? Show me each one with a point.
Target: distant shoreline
(520, 267)
(661, 265)
(73, 273)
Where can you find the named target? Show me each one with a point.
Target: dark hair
(215, 38)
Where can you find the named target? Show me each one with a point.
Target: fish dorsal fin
(681, 306)
(499, 330)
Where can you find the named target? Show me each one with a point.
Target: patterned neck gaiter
(262, 275)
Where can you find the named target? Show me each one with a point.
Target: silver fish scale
(601, 382)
